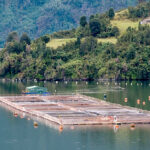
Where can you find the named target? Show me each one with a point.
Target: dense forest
(38, 17)
(85, 58)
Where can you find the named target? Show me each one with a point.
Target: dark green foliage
(25, 38)
(45, 38)
(13, 36)
(64, 34)
(15, 47)
(99, 26)
(142, 10)
(83, 21)
(78, 42)
(91, 17)
(111, 13)
(131, 53)
(115, 31)
(89, 44)
(95, 27)
(84, 58)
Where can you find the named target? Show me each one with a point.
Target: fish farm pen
(76, 110)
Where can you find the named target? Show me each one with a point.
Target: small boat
(36, 90)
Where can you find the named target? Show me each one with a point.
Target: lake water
(20, 134)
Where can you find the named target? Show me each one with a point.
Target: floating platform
(76, 110)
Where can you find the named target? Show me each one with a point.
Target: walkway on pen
(76, 110)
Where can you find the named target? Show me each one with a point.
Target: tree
(12, 36)
(111, 13)
(25, 38)
(95, 27)
(115, 31)
(91, 17)
(78, 41)
(89, 44)
(15, 47)
(45, 38)
(83, 21)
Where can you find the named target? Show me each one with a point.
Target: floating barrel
(132, 126)
(144, 103)
(138, 101)
(35, 124)
(60, 128)
(15, 115)
(126, 100)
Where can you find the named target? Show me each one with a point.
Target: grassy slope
(120, 21)
(54, 43)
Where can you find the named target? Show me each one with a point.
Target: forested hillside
(84, 57)
(38, 17)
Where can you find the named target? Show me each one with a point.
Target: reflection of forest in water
(115, 91)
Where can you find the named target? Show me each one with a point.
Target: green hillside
(120, 20)
(105, 46)
(39, 17)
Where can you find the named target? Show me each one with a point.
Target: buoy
(60, 128)
(35, 124)
(126, 100)
(116, 126)
(15, 115)
(144, 103)
(137, 84)
(132, 126)
(138, 101)
(126, 83)
(97, 83)
(76, 82)
(149, 98)
(86, 82)
(56, 82)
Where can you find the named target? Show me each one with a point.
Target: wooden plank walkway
(76, 110)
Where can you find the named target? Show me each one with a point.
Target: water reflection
(17, 133)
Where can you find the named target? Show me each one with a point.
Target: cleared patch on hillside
(107, 40)
(122, 22)
(55, 43)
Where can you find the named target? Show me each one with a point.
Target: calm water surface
(19, 134)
